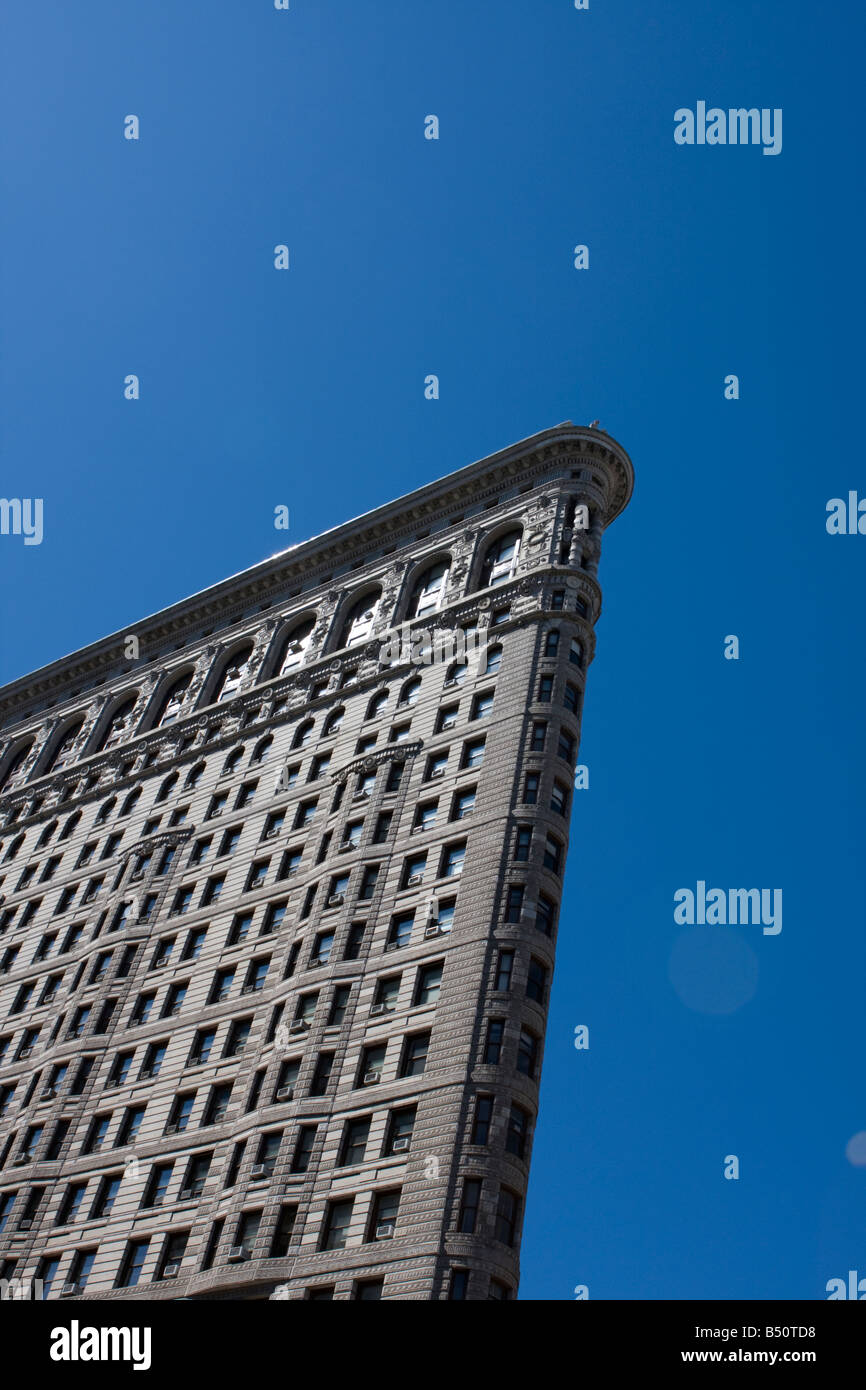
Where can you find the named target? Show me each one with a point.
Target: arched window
(171, 704)
(14, 847)
(194, 776)
(261, 751)
(551, 643)
(575, 653)
(105, 811)
(233, 674)
(232, 761)
(456, 673)
(494, 661)
(15, 764)
(116, 728)
(62, 754)
(297, 645)
(69, 826)
(410, 692)
(333, 722)
(166, 788)
(303, 734)
(359, 619)
(429, 590)
(47, 833)
(500, 561)
(377, 704)
(129, 803)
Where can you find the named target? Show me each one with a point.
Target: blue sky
(305, 388)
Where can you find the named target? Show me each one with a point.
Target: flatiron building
(280, 878)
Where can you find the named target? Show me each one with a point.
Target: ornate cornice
(564, 447)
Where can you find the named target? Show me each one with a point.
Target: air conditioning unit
(416, 829)
(437, 772)
(70, 1288)
(138, 874)
(172, 1128)
(413, 880)
(273, 832)
(372, 1076)
(346, 846)
(186, 1194)
(400, 1146)
(392, 945)
(25, 1052)
(299, 1026)
(170, 1271)
(248, 989)
(50, 1093)
(385, 1230)
(20, 1160)
(25, 1223)
(260, 1170)
(237, 1252)
(336, 900)
(361, 796)
(432, 929)
(452, 680)
(157, 1200)
(378, 1009)
(285, 1093)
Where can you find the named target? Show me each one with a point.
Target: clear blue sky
(306, 388)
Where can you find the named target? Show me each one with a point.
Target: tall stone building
(279, 887)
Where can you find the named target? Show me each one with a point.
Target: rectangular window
(514, 902)
(354, 1143)
(282, 1237)
(552, 854)
(518, 1128)
(335, 1228)
(400, 930)
(368, 882)
(322, 1074)
(453, 857)
(506, 1216)
(473, 753)
(467, 1218)
(339, 1004)
(482, 1120)
(538, 736)
(523, 842)
(354, 941)
(303, 1148)
(383, 825)
(414, 1058)
(428, 984)
(504, 970)
(132, 1264)
(493, 1041)
(527, 1053)
(566, 747)
(463, 803)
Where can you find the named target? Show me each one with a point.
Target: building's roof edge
(333, 534)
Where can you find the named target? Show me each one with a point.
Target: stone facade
(278, 905)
